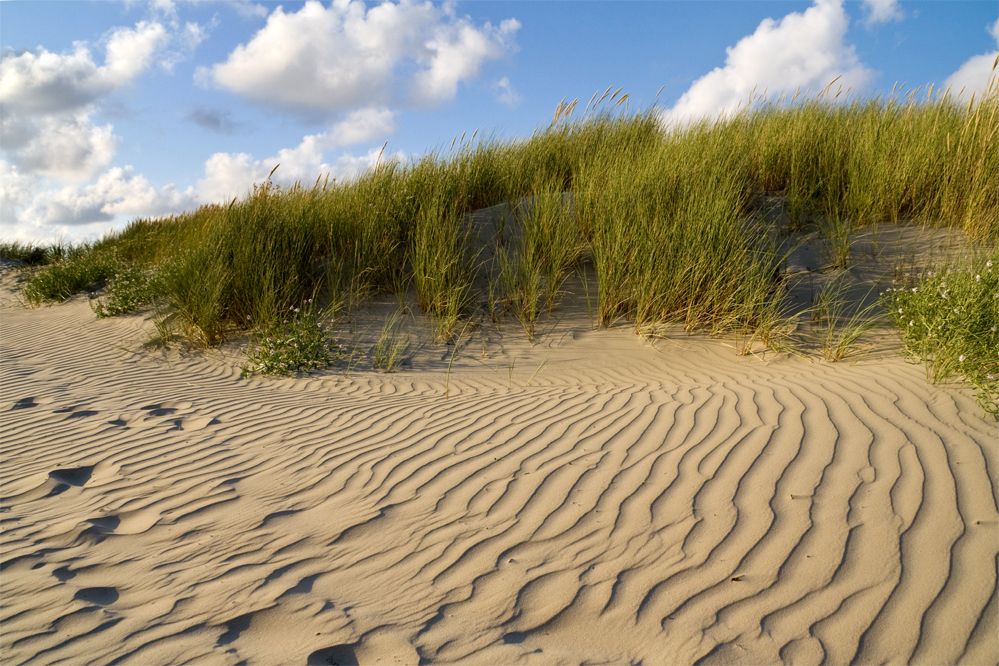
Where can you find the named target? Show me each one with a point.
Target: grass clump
(30, 253)
(442, 265)
(299, 343)
(949, 320)
(82, 270)
(842, 323)
(390, 350)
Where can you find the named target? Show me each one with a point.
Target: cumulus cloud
(345, 56)
(801, 51)
(44, 82)
(64, 146)
(48, 98)
(51, 144)
(229, 175)
(360, 126)
(116, 192)
(37, 208)
(882, 11)
(16, 191)
(975, 74)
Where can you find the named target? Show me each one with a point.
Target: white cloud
(229, 175)
(128, 51)
(45, 82)
(975, 74)
(35, 208)
(51, 144)
(346, 56)
(117, 192)
(458, 50)
(882, 11)
(805, 50)
(360, 126)
(48, 98)
(64, 146)
(16, 190)
(506, 93)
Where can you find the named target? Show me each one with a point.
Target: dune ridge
(679, 505)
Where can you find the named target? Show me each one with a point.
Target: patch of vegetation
(30, 253)
(82, 270)
(948, 319)
(127, 291)
(390, 350)
(666, 218)
(299, 343)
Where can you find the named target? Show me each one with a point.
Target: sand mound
(676, 504)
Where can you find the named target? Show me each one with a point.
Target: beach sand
(593, 498)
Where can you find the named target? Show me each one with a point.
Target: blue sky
(117, 110)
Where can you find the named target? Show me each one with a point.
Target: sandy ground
(591, 498)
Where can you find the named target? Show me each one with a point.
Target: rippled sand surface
(677, 504)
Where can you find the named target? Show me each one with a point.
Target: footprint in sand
(126, 522)
(63, 574)
(380, 646)
(166, 408)
(101, 596)
(197, 423)
(27, 403)
(78, 477)
(77, 411)
(73, 476)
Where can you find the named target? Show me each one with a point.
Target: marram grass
(665, 218)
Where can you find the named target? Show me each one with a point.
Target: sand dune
(677, 504)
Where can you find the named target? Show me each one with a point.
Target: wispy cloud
(505, 93)
(214, 120)
(882, 11)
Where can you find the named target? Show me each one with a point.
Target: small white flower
(900, 310)
(960, 359)
(911, 322)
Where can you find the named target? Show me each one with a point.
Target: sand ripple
(662, 507)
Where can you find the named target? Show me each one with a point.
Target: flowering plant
(128, 290)
(300, 342)
(949, 319)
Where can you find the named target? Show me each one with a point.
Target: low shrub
(127, 291)
(949, 319)
(80, 272)
(299, 343)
